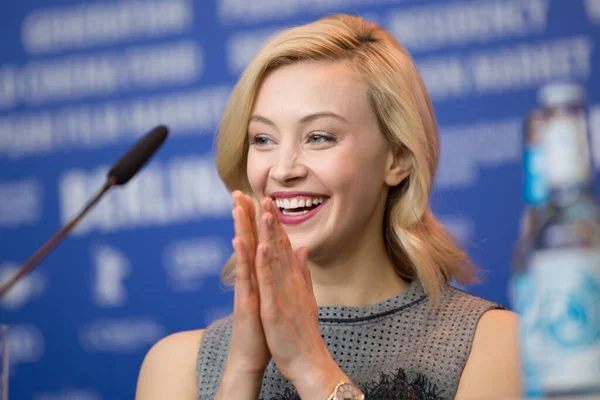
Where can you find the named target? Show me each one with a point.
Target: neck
(361, 277)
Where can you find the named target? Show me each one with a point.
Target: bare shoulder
(492, 369)
(169, 368)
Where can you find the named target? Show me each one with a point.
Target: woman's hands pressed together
(254, 354)
(275, 311)
(248, 352)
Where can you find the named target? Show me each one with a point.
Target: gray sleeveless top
(400, 348)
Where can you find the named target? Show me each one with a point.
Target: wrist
(237, 384)
(319, 384)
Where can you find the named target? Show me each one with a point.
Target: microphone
(132, 161)
(119, 174)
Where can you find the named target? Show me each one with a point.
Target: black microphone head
(132, 161)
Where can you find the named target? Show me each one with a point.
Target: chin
(318, 247)
(298, 242)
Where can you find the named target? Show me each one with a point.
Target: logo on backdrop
(184, 189)
(28, 288)
(111, 269)
(188, 262)
(25, 344)
(124, 335)
(20, 201)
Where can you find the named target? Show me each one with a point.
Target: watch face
(347, 391)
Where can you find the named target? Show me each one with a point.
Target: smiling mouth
(299, 205)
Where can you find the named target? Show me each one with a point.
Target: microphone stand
(120, 173)
(56, 238)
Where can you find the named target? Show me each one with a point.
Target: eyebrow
(303, 120)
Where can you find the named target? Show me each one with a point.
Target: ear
(398, 165)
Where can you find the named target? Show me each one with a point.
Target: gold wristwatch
(346, 391)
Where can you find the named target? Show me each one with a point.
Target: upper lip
(295, 193)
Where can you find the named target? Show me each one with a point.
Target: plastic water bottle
(560, 314)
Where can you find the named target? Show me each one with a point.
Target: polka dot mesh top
(400, 348)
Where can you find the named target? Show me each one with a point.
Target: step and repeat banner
(80, 81)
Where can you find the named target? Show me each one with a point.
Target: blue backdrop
(80, 81)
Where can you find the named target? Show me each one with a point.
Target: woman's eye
(321, 138)
(260, 140)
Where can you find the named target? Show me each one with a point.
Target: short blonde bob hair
(418, 245)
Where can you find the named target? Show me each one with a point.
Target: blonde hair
(418, 245)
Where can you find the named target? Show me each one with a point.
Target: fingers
(242, 228)
(251, 211)
(301, 255)
(281, 241)
(266, 281)
(267, 239)
(264, 207)
(244, 285)
(245, 229)
(243, 223)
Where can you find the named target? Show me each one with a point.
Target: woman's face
(316, 149)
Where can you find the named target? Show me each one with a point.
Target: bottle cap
(561, 94)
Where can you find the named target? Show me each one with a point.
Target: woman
(343, 284)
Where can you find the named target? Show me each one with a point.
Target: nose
(288, 166)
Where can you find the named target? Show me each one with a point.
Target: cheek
(362, 178)
(350, 173)
(365, 162)
(257, 169)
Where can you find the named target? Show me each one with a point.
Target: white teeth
(288, 212)
(292, 203)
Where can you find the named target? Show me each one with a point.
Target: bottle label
(566, 152)
(560, 322)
